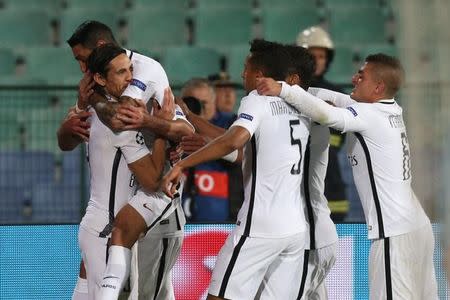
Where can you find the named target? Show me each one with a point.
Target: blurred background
(199, 38)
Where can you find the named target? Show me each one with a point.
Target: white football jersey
(321, 229)
(272, 167)
(111, 183)
(379, 154)
(149, 79)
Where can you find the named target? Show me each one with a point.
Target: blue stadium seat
(12, 204)
(54, 203)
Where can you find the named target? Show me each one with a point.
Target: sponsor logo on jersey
(246, 116)
(179, 113)
(139, 84)
(140, 138)
(353, 111)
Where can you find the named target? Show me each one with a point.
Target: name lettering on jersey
(353, 111)
(396, 121)
(139, 84)
(245, 116)
(132, 180)
(282, 108)
(140, 138)
(352, 160)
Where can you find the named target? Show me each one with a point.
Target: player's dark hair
(304, 64)
(100, 58)
(89, 33)
(389, 70)
(271, 58)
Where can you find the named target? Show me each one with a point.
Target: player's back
(272, 167)
(380, 159)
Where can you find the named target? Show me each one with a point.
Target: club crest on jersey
(353, 111)
(246, 116)
(140, 138)
(139, 84)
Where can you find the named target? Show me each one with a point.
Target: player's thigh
(151, 209)
(241, 265)
(93, 249)
(283, 277)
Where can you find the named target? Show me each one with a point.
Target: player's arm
(73, 130)
(335, 98)
(234, 138)
(148, 170)
(342, 119)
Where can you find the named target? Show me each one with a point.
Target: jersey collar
(387, 101)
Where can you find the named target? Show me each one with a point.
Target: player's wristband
(231, 157)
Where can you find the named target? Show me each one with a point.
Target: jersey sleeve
(149, 80)
(346, 119)
(250, 113)
(179, 115)
(132, 145)
(338, 99)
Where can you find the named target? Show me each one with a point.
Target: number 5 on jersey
(295, 170)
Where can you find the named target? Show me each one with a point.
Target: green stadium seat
(52, 7)
(96, 4)
(222, 28)
(368, 49)
(7, 62)
(332, 4)
(160, 4)
(71, 18)
(357, 26)
(11, 129)
(19, 28)
(51, 63)
(184, 63)
(343, 66)
(156, 29)
(235, 61)
(304, 4)
(218, 4)
(282, 24)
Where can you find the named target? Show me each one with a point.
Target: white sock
(116, 272)
(80, 292)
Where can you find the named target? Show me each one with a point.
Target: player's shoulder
(254, 96)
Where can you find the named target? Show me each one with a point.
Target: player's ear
(99, 79)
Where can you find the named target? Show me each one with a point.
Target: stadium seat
(96, 4)
(71, 18)
(357, 26)
(55, 203)
(222, 28)
(282, 24)
(332, 4)
(218, 4)
(235, 61)
(52, 7)
(41, 126)
(183, 63)
(7, 62)
(303, 4)
(343, 66)
(24, 28)
(156, 28)
(160, 4)
(52, 64)
(368, 49)
(12, 203)
(11, 129)
(26, 168)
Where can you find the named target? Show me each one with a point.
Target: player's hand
(187, 112)
(76, 124)
(167, 111)
(132, 115)
(171, 180)
(191, 143)
(85, 90)
(268, 87)
(175, 154)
